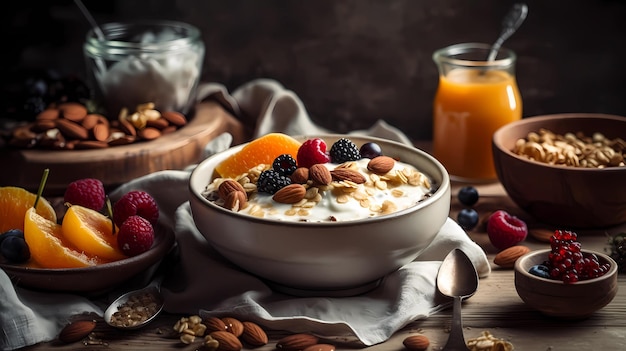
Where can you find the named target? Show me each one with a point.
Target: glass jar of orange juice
(474, 98)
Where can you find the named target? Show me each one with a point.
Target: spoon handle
(456, 341)
(511, 22)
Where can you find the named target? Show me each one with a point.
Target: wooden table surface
(495, 307)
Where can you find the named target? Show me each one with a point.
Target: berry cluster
(467, 217)
(568, 263)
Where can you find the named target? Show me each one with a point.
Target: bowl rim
(496, 138)
(519, 270)
(438, 193)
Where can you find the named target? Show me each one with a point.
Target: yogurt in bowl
(314, 252)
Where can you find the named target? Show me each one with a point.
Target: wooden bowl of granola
(560, 177)
(326, 257)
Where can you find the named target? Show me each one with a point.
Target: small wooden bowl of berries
(566, 281)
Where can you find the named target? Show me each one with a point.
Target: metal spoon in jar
(136, 308)
(511, 22)
(457, 278)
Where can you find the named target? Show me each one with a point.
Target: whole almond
(233, 325)
(175, 118)
(300, 175)
(48, 114)
(72, 129)
(73, 111)
(320, 347)
(296, 342)
(90, 144)
(507, 257)
(235, 201)
(320, 175)
(228, 186)
(43, 125)
(149, 133)
(91, 120)
(76, 331)
(541, 234)
(253, 334)
(159, 123)
(381, 164)
(290, 194)
(347, 174)
(214, 324)
(416, 342)
(228, 341)
(101, 132)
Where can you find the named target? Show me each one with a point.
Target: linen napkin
(205, 283)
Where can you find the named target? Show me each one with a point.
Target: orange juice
(470, 105)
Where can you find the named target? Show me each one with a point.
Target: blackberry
(344, 150)
(271, 181)
(284, 164)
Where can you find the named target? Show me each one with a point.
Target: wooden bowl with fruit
(565, 169)
(82, 250)
(566, 281)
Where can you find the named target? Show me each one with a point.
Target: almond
(233, 325)
(296, 342)
(228, 186)
(149, 133)
(48, 114)
(300, 175)
(73, 111)
(507, 257)
(320, 347)
(90, 121)
(214, 324)
(71, 129)
(253, 334)
(290, 194)
(541, 234)
(341, 174)
(76, 331)
(101, 132)
(416, 342)
(235, 200)
(175, 118)
(320, 175)
(228, 341)
(381, 164)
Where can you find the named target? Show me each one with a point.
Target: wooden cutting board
(119, 164)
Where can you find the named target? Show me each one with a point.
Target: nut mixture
(572, 149)
(137, 309)
(69, 126)
(344, 189)
(224, 334)
(488, 342)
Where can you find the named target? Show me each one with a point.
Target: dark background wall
(355, 61)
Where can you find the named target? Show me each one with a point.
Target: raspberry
(270, 181)
(86, 192)
(312, 151)
(135, 202)
(135, 236)
(284, 164)
(344, 150)
(505, 230)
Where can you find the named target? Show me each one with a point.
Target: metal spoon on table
(511, 22)
(457, 278)
(151, 292)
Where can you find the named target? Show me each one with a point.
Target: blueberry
(370, 150)
(540, 270)
(467, 218)
(10, 233)
(468, 195)
(15, 249)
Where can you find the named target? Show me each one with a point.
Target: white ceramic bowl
(329, 256)
(557, 299)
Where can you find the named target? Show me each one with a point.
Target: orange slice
(48, 247)
(15, 201)
(91, 232)
(260, 151)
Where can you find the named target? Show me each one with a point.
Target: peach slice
(14, 202)
(91, 232)
(259, 151)
(48, 247)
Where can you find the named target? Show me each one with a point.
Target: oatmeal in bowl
(327, 212)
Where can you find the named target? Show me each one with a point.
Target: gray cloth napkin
(205, 283)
